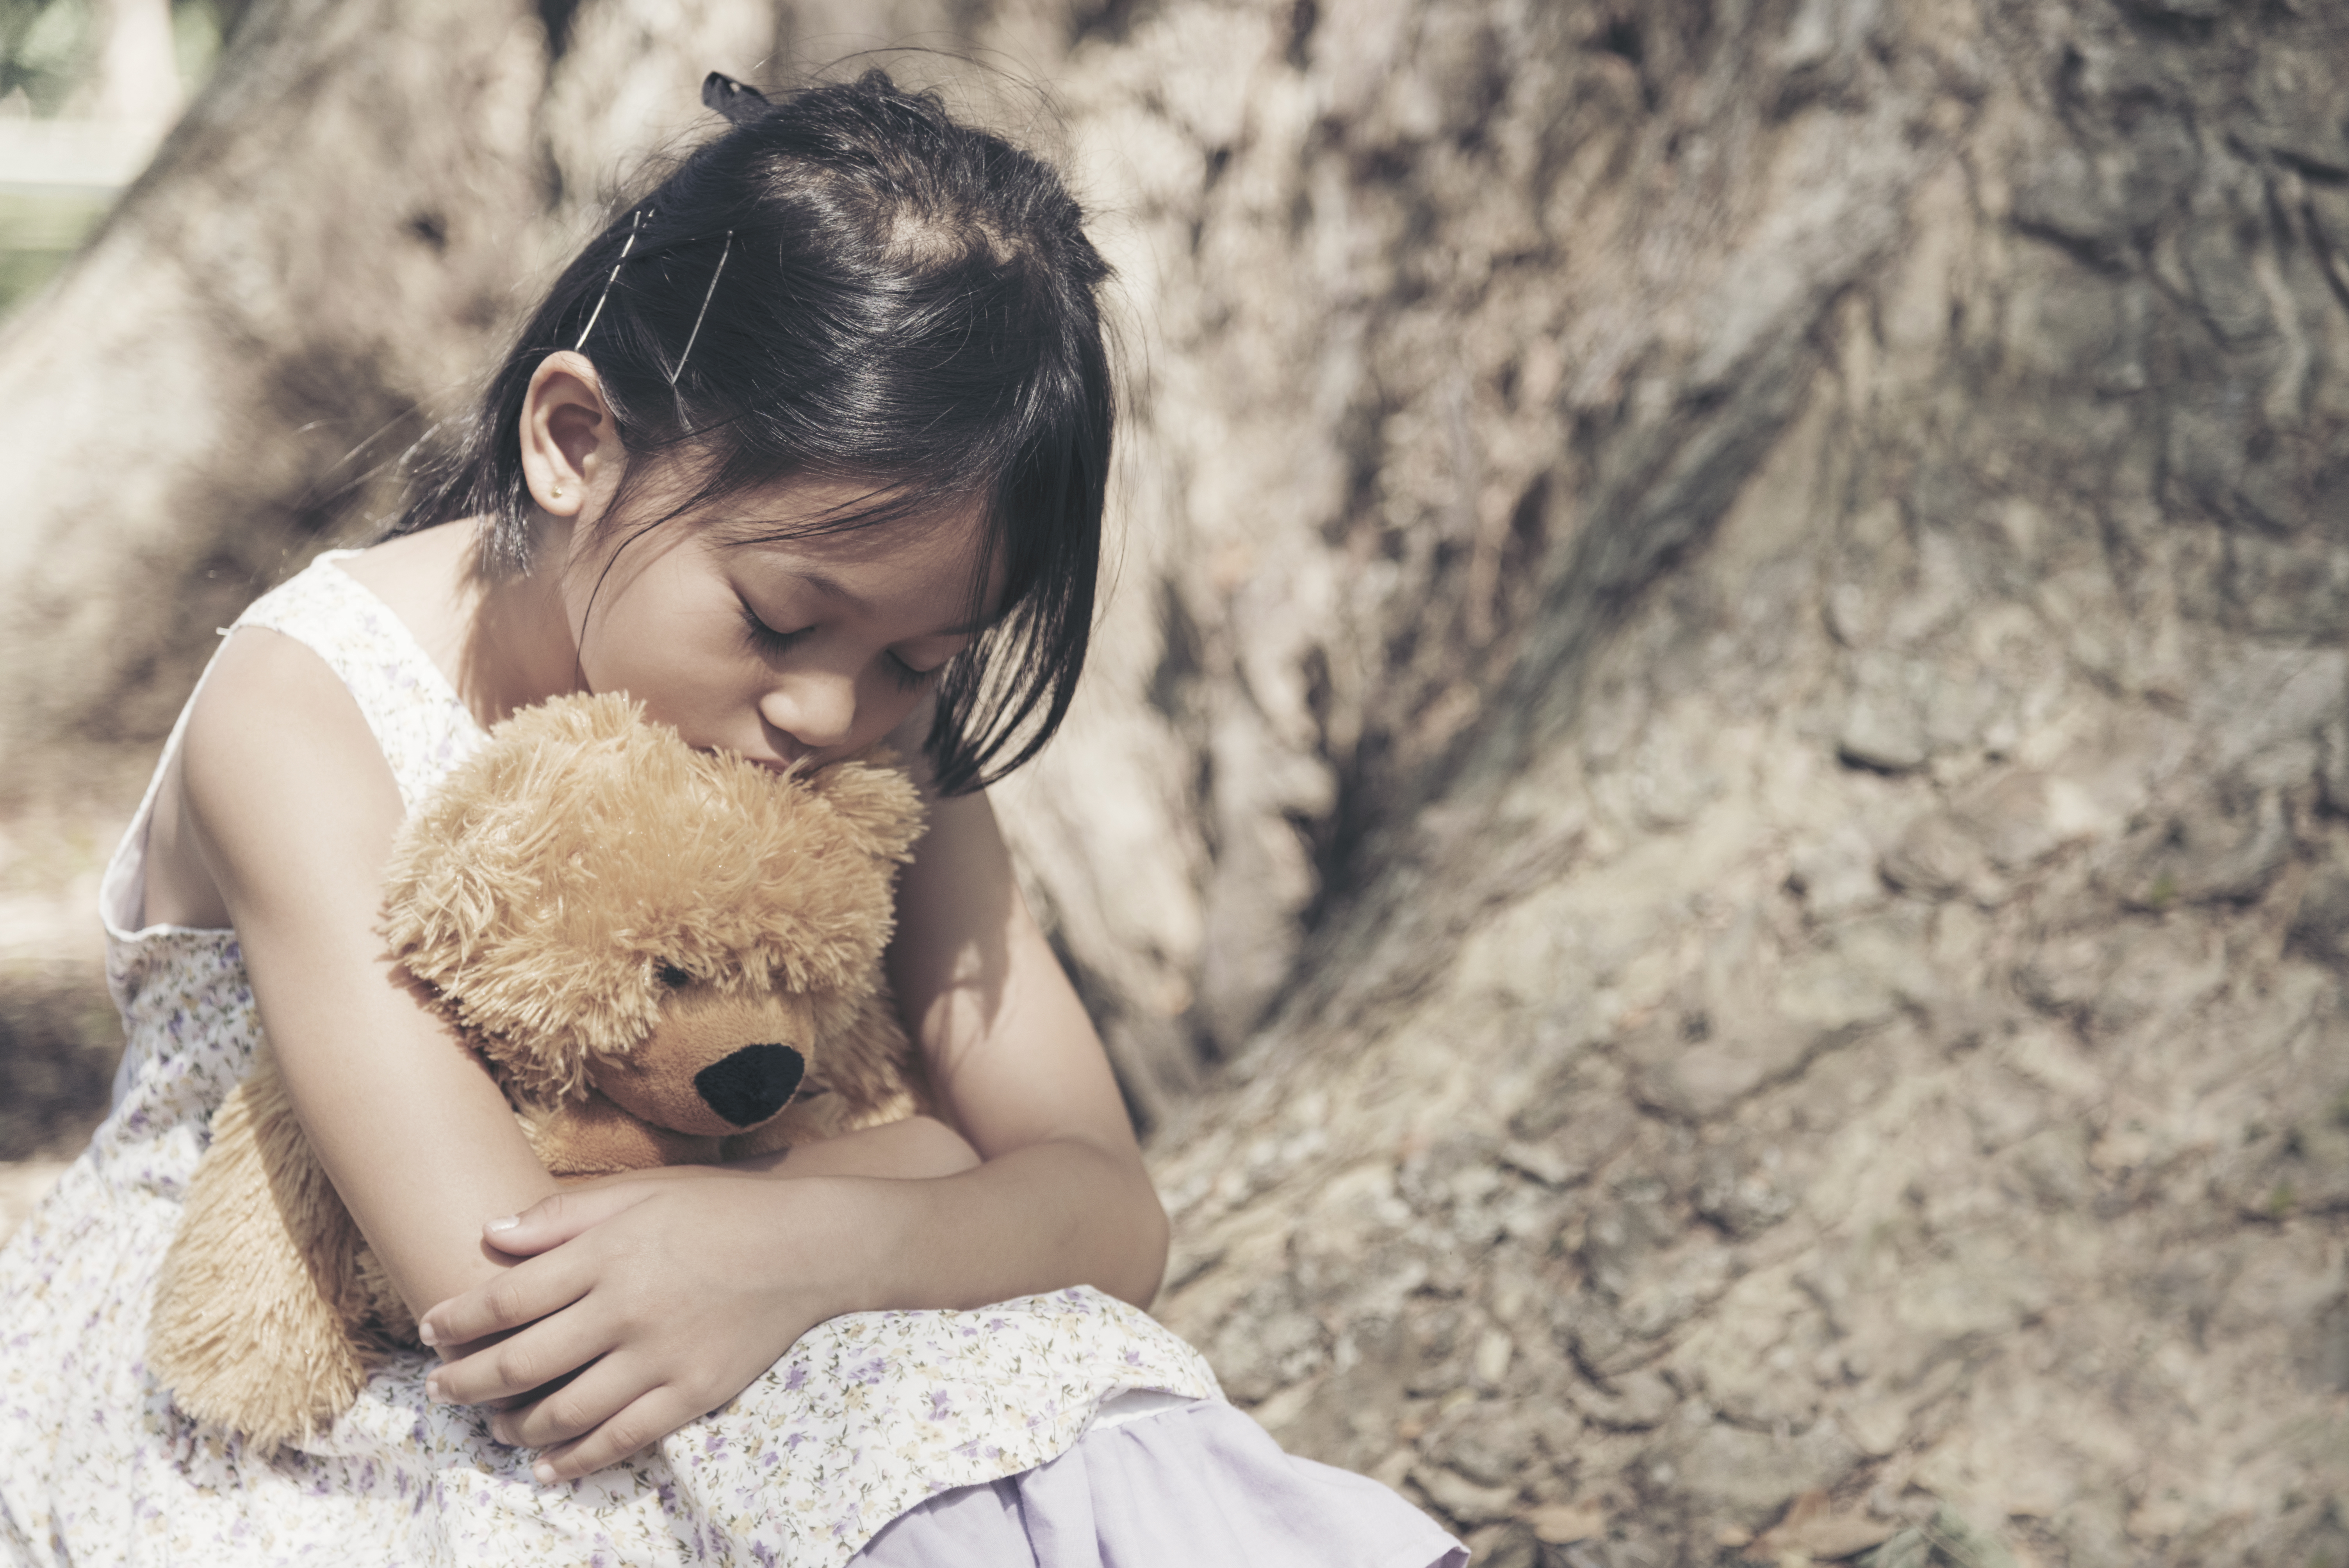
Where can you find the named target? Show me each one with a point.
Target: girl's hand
(665, 1297)
(673, 1370)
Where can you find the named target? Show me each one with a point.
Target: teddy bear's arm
(875, 1069)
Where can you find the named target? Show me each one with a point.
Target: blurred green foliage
(44, 50)
(49, 47)
(48, 53)
(38, 232)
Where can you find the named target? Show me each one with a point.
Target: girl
(806, 451)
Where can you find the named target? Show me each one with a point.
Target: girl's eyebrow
(833, 589)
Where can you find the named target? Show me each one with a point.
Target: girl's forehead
(845, 518)
(917, 542)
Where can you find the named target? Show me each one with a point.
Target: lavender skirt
(1193, 1482)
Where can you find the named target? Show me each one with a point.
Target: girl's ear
(570, 451)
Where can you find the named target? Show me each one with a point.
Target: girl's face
(800, 651)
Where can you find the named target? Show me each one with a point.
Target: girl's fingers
(646, 1420)
(520, 1297)
(522, 1363)
(553, 1221)
(599, 1392)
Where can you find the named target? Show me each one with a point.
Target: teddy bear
(664, 956)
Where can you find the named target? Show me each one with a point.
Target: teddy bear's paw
(269, 1406)
(274, 1366)
(256, 1323)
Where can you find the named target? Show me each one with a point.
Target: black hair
(850, 285)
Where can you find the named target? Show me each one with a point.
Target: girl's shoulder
(348, 666)
(325, 716)
(273, 745)
(424, 580)
(321, 693)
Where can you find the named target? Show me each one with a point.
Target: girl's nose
(816, 709)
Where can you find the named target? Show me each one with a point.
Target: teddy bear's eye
(673, 977)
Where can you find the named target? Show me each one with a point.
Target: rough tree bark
(1713, 819)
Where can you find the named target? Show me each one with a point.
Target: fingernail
(424, 1332)
(502, 1223)
(544, 1472)
(432, 1389)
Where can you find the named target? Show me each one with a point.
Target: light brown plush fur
(635, 936)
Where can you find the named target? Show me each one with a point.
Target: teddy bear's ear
(873, 795)
(794, 876)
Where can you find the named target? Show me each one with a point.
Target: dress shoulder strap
(422, 725)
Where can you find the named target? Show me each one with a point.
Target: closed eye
(769, 642)
(906, 676)
(765, 638)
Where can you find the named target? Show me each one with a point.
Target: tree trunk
(1710, 815)
(319, 262)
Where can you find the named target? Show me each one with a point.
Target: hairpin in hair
(739, 101)
(695, 336)
(635, 223)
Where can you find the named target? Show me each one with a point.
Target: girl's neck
(518, 647)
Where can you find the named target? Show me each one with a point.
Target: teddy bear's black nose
(752, 1084)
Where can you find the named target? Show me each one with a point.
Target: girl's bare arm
(292, 809)
(1062, 1196)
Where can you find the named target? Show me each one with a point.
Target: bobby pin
(633, 225)
(691, 337)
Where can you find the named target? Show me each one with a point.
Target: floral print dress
(867, 1415)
